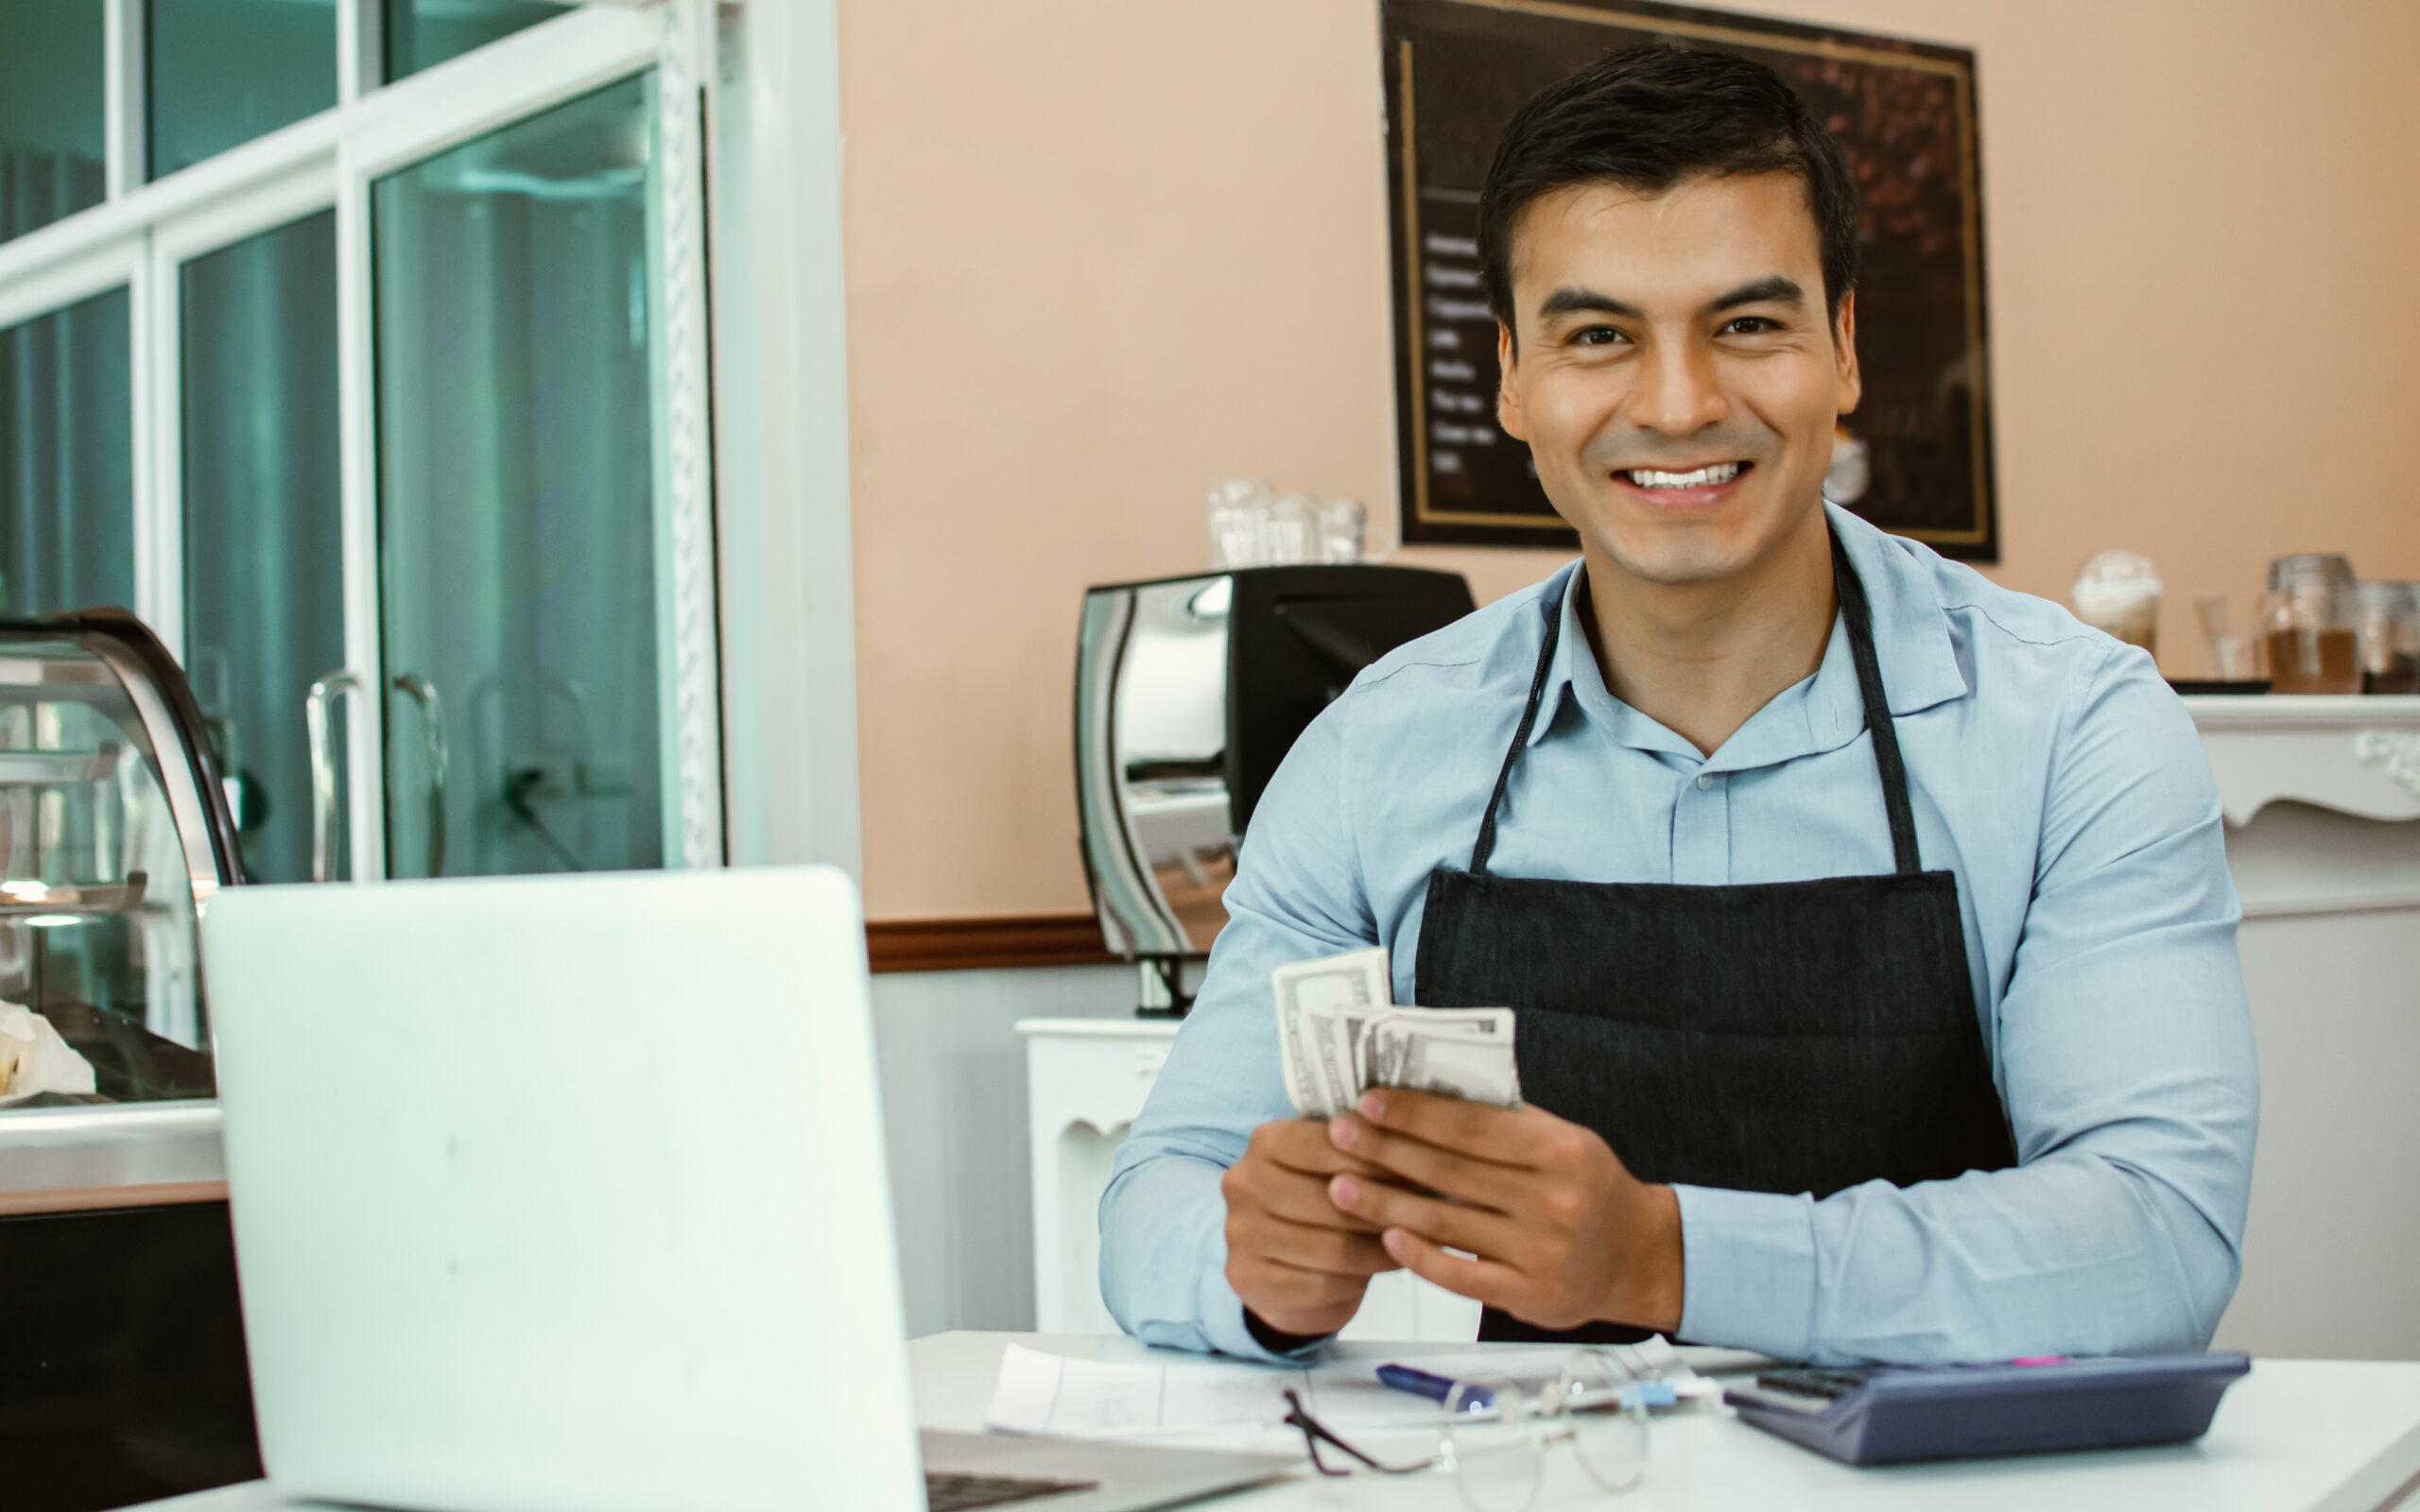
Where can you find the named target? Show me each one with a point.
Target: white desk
(2342, 1436)
(2311, 1435)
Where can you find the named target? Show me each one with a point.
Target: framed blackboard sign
(1904, 112)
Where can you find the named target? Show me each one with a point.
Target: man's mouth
(1711, 477)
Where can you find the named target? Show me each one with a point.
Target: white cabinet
(1086, 1079)
(2323, 804)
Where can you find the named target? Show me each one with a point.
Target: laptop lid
(563, 1193)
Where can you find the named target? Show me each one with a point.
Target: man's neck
(1700, 658)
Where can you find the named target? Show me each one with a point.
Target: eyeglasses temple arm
(1315, 1433)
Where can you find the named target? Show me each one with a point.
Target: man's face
(1677, 377)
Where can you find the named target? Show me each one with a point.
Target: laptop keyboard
(957, 1493)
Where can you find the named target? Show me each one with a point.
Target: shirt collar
(1911, 639)
(1911, 645)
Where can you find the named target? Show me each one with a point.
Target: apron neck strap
(1878, 712)
(1858, 615)
(1486, 846)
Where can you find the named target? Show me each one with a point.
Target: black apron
(1776, 1037)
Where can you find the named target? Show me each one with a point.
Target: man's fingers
(1482, 1281)
(1417, 1161)
(1303, 1145)
(1323, 1251)
(1506, 1136)
(1317, 1286)
(1296, 1301)
(1304, 1199)
(1390, 1207)
(1261, 1183)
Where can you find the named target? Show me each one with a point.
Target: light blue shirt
(2049, 767)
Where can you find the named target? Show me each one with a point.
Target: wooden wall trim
(985, 942)
(99, 1199)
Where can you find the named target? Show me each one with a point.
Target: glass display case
(115, 827)
(114, 834)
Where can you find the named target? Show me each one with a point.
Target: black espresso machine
(1189, 691)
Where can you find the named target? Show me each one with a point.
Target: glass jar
(2120, 592)
(2388, 630)
(2307, 626)
(1234, 513)
(1341, 525)
(1289, 531)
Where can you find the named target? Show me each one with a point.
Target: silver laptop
(567, 1194)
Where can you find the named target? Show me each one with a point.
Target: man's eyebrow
(1569, 300)
(1774, 291)
(1572, 301)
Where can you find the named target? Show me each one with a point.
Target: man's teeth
(1704, 477)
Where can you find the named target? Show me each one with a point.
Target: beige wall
(1103, 251)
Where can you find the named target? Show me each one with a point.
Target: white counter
(2321, 795)
(2295, 1436)
(2325, 1435)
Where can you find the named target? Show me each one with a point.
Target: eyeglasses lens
(1610, 1439)
(1491, 1447)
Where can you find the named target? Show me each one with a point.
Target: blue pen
(1439, 1389)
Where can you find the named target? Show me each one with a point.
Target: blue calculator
(1883, 1414)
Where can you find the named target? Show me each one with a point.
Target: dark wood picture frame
(1904, 112)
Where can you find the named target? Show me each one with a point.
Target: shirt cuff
(1748, 1263)
(1278, 1340)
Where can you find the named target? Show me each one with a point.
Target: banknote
(1337, 1037)
(1396, 1034)
(1310, 997)
(1470, 1056)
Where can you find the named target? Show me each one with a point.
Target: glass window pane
(223, 72)
(424, 33)
(67, 460)
(264, 546)
(516, 496)
(52, 144)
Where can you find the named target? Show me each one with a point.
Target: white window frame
(142, 232)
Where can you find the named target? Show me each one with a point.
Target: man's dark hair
(1649, 117)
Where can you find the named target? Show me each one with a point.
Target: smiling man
(1868, 926)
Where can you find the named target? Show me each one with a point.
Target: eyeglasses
(1495, 1440)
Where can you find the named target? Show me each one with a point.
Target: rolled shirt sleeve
(1162, 1219)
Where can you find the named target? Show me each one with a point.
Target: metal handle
(432, 715)
(324, 767)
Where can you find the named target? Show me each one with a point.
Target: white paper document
(1066, 1398)
(1061, 1397)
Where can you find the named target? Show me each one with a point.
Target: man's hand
(1563, 1232)
(1297, 1262)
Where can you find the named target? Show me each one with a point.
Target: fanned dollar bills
(1337, 1037)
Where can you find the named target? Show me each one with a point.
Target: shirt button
(1705, 779)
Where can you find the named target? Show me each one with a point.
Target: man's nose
(1679, 393)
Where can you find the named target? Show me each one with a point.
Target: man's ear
(1507, 394)
(1844, 353)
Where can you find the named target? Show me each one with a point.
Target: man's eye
(1750, 325)
(1597, 336)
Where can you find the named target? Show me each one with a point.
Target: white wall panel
(953, 1111)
